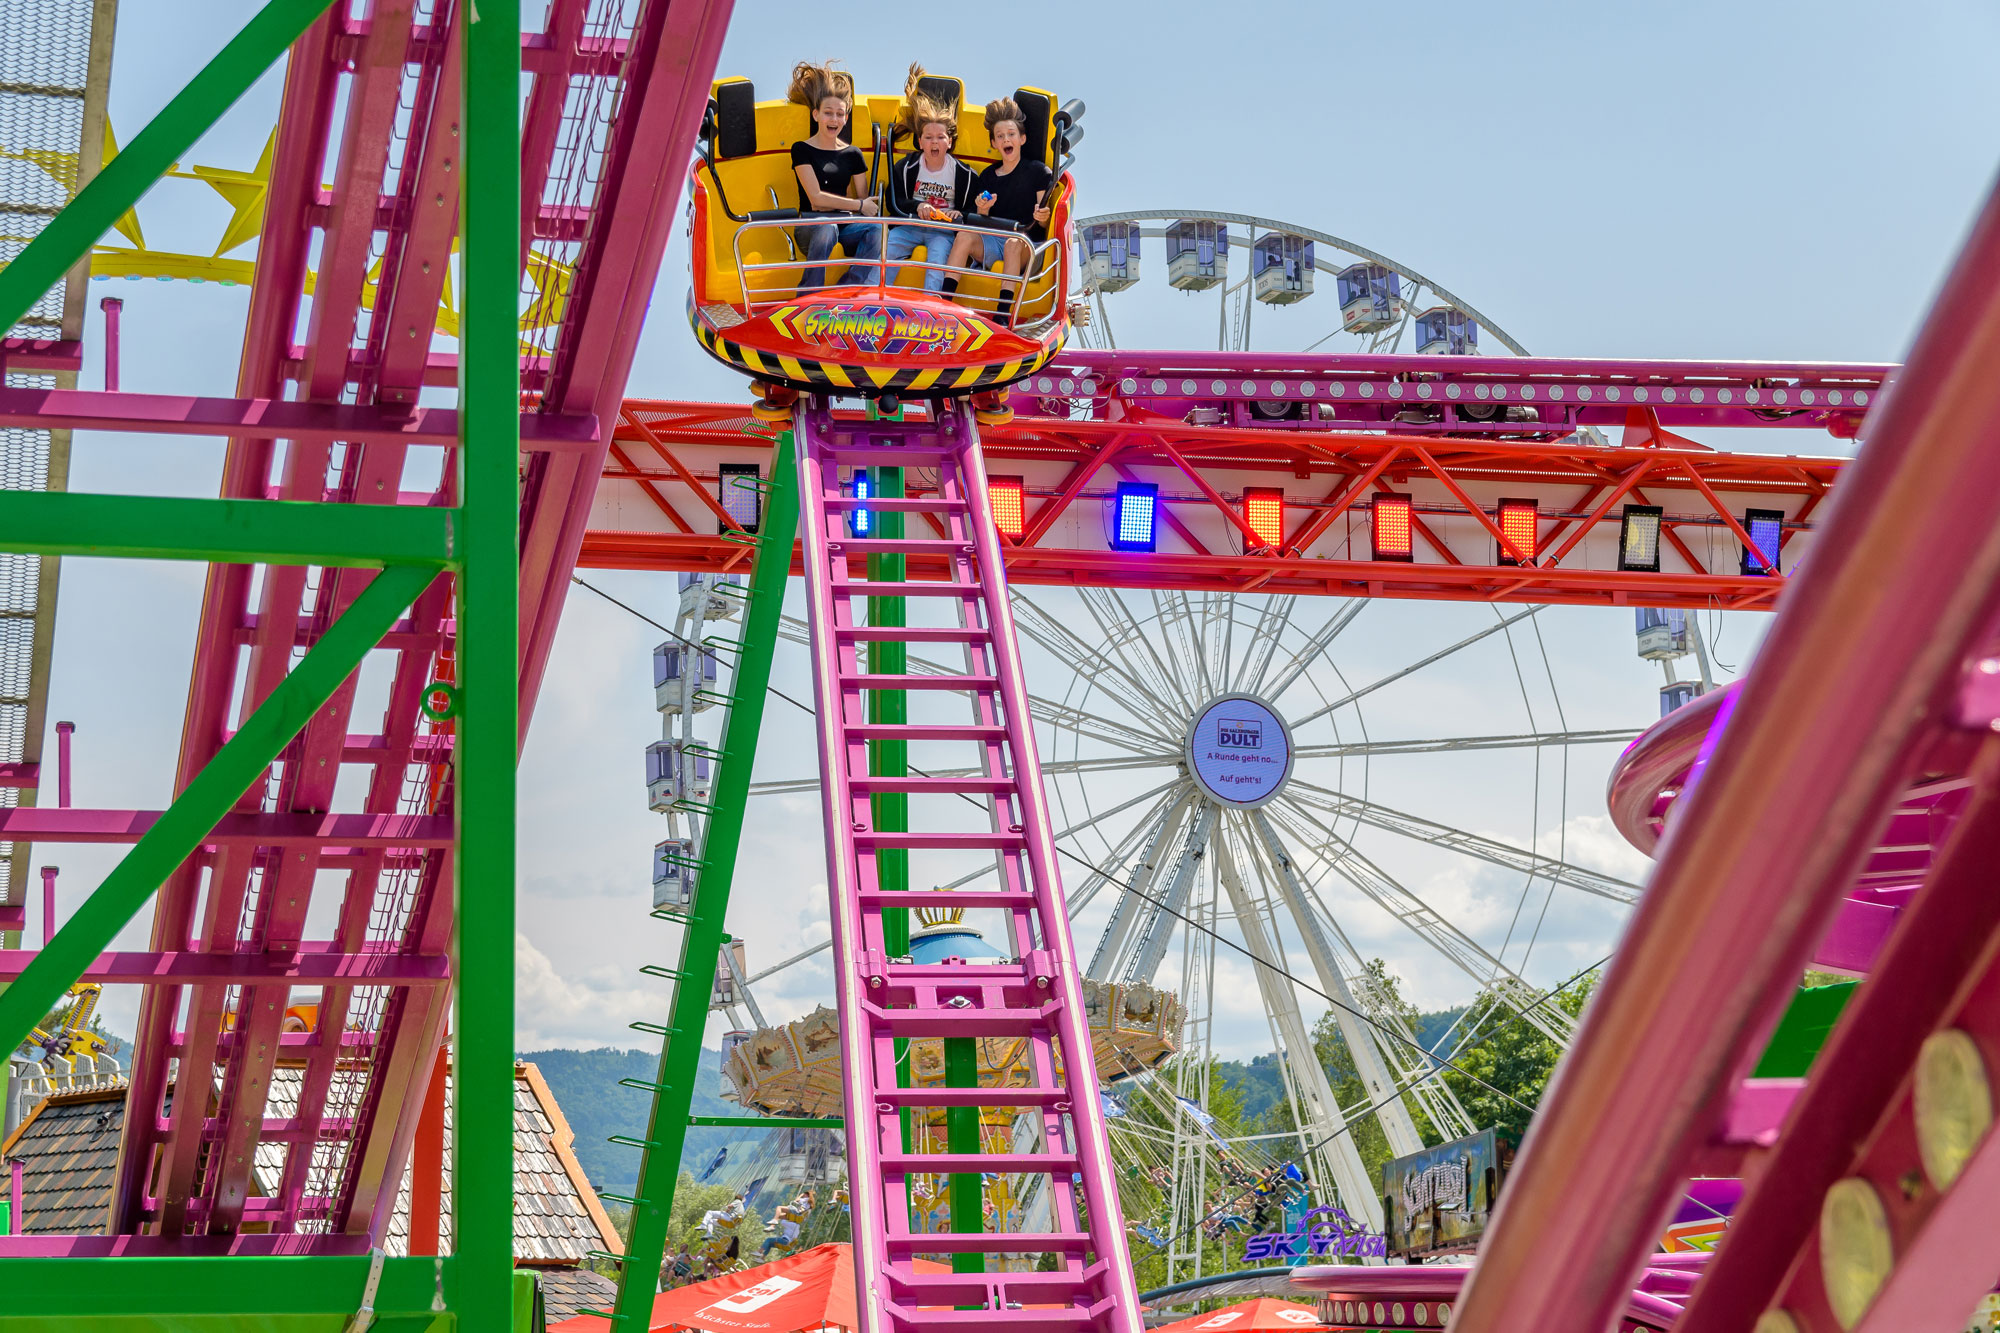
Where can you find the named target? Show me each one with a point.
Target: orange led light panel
(1394, 521)
(1006, 497)
(1519, 524)
(1264, 514)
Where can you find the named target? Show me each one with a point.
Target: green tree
(1147, 1131)
(1506, 1060)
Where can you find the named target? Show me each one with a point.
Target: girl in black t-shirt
(831, 172)
(1012, 189)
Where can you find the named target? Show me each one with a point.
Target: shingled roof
(68, 1146)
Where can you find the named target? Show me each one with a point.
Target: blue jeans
(903, 243)
(859, 240)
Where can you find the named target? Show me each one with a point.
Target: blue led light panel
(1766, 528)
(861, 521)
(1133, 512)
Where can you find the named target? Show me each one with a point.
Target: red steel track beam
(1340, 500)
(1861, 671)
(1236, 573)
(1056, 505)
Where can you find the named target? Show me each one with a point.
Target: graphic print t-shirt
(834, 168)
(934, 187)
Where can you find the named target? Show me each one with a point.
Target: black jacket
(903, 186)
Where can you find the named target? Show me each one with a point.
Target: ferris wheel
(1380, 782)
(1383, 305)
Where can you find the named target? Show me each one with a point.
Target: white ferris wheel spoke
(1099, 764)
(1419, 917)
(1416, 666)
(1084, 661)
(1314, 649)
(1317, 1111)
(1068, 717)
(1363, 1041)
(1530, 740)
(1387, 1066)
(1122, 632)
(1102, 870)
(1143, 920)
(1272, 618)
(1376, 815)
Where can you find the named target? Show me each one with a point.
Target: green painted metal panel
(1807, 1023)
(280, 532)
(114, 190)
(489, 738)
(702, 937)
(213, 792)
(224, 1294)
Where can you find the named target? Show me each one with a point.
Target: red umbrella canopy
(808, 1290)
(1265, 1312)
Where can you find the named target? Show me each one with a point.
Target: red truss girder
(234, 915)
(664, 458)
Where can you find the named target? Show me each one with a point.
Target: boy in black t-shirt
(1012, 190)
(830, 172)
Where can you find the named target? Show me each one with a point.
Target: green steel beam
(279, 532)
(126, 177)
(702, 936)
(767, 1121)
(216, 789)
(489, 740)
(223, 1294)
(891, 758)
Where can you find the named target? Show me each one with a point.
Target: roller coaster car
(886, 337)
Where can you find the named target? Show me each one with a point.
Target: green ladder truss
(702, 937)
(477, 543)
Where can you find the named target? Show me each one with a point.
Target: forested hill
(586, 1087)
(1263, 1086)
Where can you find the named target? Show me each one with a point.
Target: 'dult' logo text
(1240, 733)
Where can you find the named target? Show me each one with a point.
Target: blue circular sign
(1239, 751)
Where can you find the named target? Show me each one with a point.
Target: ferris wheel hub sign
(1239, 751)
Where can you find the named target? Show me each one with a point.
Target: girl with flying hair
(831, 172)
(1013, 192)
(930, 185)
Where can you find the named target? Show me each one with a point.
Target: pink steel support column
(1863, 668)
(112, 307)
(1035, 996)
(48, 905)
(64, 730)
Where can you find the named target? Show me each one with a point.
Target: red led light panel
(1007, 498)
(1394, 523)
(1518, 523)
(1264, 513)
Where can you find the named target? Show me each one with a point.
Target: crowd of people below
(958, 218)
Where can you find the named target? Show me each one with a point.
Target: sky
(1696, 180)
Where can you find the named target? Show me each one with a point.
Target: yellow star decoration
(245, 192)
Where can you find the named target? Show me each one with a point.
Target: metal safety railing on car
(1044, 260)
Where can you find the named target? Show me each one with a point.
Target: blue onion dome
(945, 936)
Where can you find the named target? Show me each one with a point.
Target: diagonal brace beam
(204, 801)
(169, 135)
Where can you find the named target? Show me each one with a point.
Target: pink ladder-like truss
(1035, 997)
